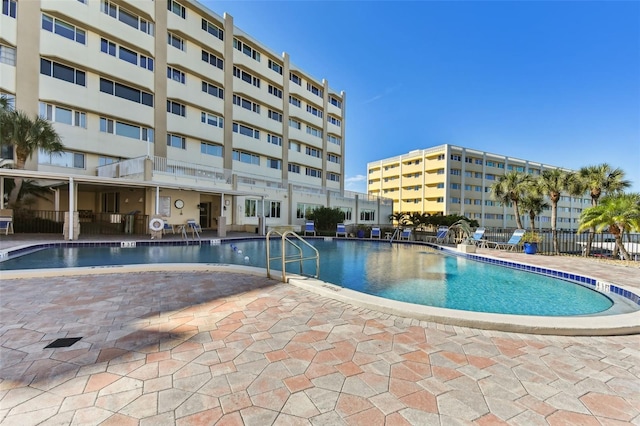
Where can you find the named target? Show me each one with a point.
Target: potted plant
(530, 240)
(361, 230)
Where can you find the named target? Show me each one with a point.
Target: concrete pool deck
(188, 347)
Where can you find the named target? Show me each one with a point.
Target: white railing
(197, 171)
(124, 168)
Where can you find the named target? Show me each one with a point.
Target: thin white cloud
(354, 179)
(387, 91)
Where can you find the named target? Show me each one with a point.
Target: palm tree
(618, 213)
(533, 203)
(597, 180)
(552, 183)
(510, 189)
(27, 135)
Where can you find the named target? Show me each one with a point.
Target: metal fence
(569, 242)
(52, 222)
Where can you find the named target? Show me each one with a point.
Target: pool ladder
(395, 235)
(288, 238)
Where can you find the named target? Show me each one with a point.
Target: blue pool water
(409, 273)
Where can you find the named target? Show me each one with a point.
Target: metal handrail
(284, 236)
(395, 234)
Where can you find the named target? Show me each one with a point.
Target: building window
(275, 116)
(455, 172)
(211, 119)
(334, 140)
(293, 168)
(314, 111)
(295, 78)
(212, 29)
(455, 200)
(489, 176)
(103, 160)
(8, 55)
(314, 89)
(335, 102)
(176, 141)
(334, 121)
(333, 158)
(9, 8)
(273, 163)
(303, 209)
(64, 29)
(176, 42)
(295, 124)
(440, 171)
(440, 157)
(477, 175)
(455, 157)
(274, 209)
(440, 200)
(69, 159)
(455, 186)
(63, 115)
(468, 160)
(211, 149)
(176, 108)
(274, 66)
(346, 212)
(132, 131)
(246, 104)
(440, 185)
(313, 152)
(125, 92)
(276, 140)
(177, 8)
(212, 59)
(295, 101)
(250, 208)
(334, 177)
(245, 130)
(275, 91)
(314, 172)
(246, 77)
(245, 157)
(314, 132)
(478, 161)
(213, 90)
(246, 49)
(62, 72)
(111, 48)
(176, 75)
(294, 146)
(117, 12)
(368, 215)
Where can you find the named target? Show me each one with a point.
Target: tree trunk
(620, 246)
(592, 231)
(554, 227)
(13, 195)
(516, 210)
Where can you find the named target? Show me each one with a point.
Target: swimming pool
(409, 273)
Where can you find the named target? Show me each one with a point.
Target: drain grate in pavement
(63, 343)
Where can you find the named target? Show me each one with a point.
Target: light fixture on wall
(126, 201)
(140, 200)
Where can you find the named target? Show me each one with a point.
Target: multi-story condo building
(164, 100)
(449, 179)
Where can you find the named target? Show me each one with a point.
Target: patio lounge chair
(440, 236)
(375, 233)
(6, 224)
(477, 236)
(509, 245)
(310, 227)
(405, 234)
(341, 229)
(194, 227)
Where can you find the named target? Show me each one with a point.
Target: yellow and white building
(448, 179)
(158, 101)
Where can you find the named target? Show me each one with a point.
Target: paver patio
(230, 348)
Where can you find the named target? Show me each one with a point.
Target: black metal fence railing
(569, 242)
(52, 222)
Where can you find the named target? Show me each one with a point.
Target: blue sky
(553, 82)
